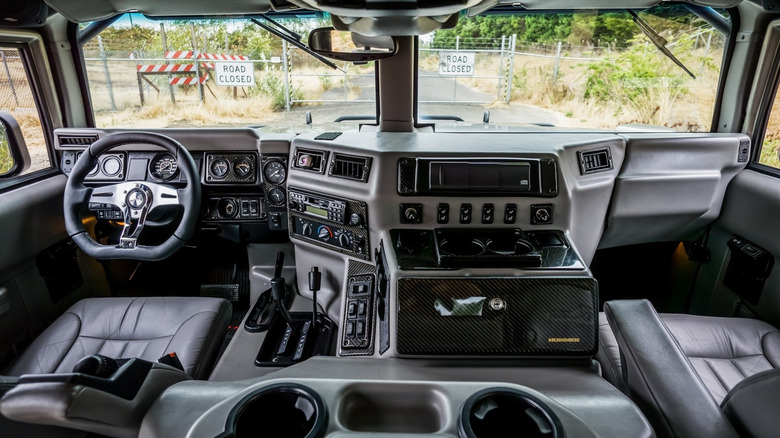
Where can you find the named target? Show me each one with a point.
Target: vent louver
(350, 167)
(597, 160)
(310, 160)
(76, 140)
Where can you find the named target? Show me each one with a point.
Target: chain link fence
(16, 98)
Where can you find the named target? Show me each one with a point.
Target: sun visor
(94, 10)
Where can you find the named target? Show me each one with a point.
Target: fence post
(511, 72)
(195, 56)
(345, 82)
(500, 68)
(557, 63)
(165, 51)
(10, 81)
(285, 62)
(704, 58)
(457, 43)
(108, 75)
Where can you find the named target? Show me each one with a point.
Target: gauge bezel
(284, 196)
(215, 174)
(240, 160)
(265, 172)
(158, 158)
(106, 161)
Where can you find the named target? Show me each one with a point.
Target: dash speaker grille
(498, 316)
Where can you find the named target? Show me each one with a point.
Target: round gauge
(242, 167)
(164, 166)
(275, 172)
(219, 168)
(276, 196)
(111, 166)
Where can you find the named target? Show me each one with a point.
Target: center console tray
(499, 248)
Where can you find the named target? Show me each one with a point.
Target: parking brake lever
(279, 288)
(315, 281)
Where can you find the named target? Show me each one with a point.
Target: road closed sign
(456, 63)
(235, 74)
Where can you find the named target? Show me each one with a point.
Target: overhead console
(478, 176)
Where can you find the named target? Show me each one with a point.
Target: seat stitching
(78, 335)
(717, 377)
(128, 339)
(183, 324)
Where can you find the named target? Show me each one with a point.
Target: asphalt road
(440, 90)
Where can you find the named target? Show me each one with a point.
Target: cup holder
(509, 247)
(283, 410)
(462, 247)
(494, 411)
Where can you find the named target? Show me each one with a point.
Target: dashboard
(444, 248)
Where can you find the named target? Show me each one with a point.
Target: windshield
(568, 70)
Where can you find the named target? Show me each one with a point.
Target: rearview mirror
(350, 46)
(14, 158)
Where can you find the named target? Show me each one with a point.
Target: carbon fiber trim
(505, 316)
(407, 176)
(359, 268)
(356, 343)
(549, 178)
(231, 177)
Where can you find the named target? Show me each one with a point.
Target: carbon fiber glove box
(539, 316)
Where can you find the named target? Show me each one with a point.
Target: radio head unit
(317, 205)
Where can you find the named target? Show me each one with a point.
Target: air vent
(597, 160)
(76, 140)
(350, 167)
(310, 160)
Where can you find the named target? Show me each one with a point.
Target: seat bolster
(659, 377)
(771, 346)
(753, 405)
(51, 347)
(608, 355)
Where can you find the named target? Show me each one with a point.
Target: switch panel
(465, 213)
(488, 211)
(443, 213)
(510, 213)
(357, 336)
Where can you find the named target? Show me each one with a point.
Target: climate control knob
(344, 240)
(307, 229)
(325, 233)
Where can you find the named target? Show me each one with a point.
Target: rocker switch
(465, 213)
(510, 213)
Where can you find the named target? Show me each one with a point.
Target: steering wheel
(134, 200)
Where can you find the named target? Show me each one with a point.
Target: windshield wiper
(292, 38)
(658, 40)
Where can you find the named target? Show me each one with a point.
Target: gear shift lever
(279, 288)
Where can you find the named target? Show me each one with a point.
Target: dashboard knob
(307, 229)
(344, 240)
(294, 205)
(411, 214)
(324, 233)
(355, 219)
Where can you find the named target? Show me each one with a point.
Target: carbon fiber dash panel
(498, 316)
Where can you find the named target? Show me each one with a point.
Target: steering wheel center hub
(136, 199)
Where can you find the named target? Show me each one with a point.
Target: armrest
(77, 403)
(659, 377)
(753, 404)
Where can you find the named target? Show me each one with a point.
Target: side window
(17, 98)
(769, 147)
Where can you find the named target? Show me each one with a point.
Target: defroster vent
(596, 160)
(76, 140)
(350, 167)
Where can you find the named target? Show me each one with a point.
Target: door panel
(751, 210)
(31, 221)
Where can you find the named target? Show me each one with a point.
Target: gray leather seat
(687, 372)
(146, 328)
